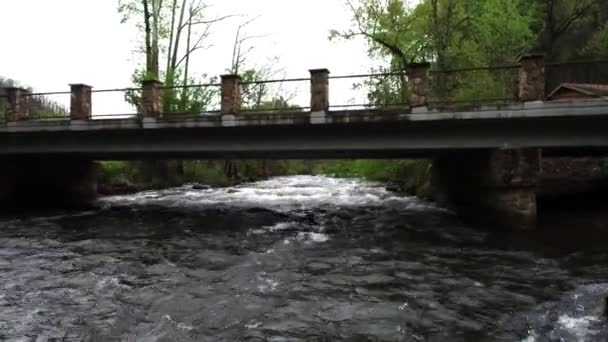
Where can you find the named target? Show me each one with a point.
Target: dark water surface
(293, 259)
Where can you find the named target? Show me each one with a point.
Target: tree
(393, 31)
(173, 30)
(597, 47)
(569, 26)
(449, 33)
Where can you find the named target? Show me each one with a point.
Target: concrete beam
(369, 139)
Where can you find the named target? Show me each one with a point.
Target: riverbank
(118, 177)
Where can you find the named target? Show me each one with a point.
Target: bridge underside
(558, 136)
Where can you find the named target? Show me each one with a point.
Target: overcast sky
(47, 44)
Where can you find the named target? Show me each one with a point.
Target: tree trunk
(156, 8)
(170, 73)
(187, 62)
(147, 15)
(178, 34)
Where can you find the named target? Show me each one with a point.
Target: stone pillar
(17, 104)
(418, 79)
(510, 186)
(231, 94)
(319, 90)
(152, 99)
(80, 102)
(532, 77)
(496, 188)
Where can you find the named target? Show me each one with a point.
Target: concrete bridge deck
(559, 127)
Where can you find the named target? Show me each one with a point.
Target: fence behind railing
(589, 72)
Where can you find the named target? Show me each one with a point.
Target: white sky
(50, 43)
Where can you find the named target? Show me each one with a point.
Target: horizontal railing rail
(274, 95)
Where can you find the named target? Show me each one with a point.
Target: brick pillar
(231, 94)
(17, 104)
(152, 98)
(319, 90)
(495, 187)
(418, 79)
(532, 77)
(80, 102)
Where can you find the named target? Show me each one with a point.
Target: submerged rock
(200, 187)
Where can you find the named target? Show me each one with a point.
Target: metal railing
(48, 105)
(191, 101)
(381, 90)
(117, 103)
(473, 86)
(178, 102)
(391, 89)
(287, 94)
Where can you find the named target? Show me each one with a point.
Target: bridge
(487, 153)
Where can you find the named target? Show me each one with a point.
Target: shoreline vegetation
(123, 177)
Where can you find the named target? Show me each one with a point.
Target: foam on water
(312, 237)
(578, 326)
(281, 193)
(577, 316)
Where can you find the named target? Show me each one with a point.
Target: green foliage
(598, 45)
(413, 176)
(569, 28)
(261, 96)
(502, 30)
(41, 107)
(144, 175)
(191, 99)
(178, 99)
(451, 34)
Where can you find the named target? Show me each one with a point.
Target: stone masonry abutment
(47, 183)
(496, 187)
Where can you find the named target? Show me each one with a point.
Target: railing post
(532, 77)
(319, 90)
(231, 94)
(17, 104)
(80, 102)
(418, 79)
(152, 98)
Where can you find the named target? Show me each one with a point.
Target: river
(291, 259)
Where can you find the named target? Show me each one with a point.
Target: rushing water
(289, 259)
